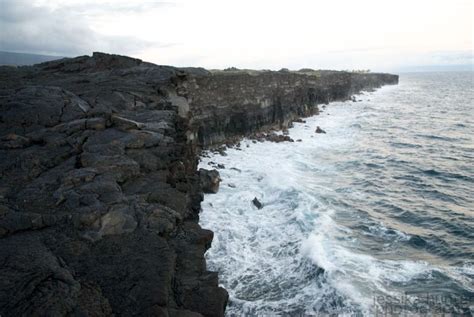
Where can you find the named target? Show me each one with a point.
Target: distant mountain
(19, 59)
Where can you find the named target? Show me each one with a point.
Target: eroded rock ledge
(99, 188)
(227, 105)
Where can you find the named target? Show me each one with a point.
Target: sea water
(374, 217)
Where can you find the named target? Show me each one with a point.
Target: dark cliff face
(99, 189)
(99, 194)
(226, 105)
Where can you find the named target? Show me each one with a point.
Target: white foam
(267, 258)
(263, 248)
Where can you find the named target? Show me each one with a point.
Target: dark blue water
(376, 216)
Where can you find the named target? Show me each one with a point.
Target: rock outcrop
(99, 194)
(257, 203)
(319, 130)
(99, 189)
(226, 105)
(210, 180)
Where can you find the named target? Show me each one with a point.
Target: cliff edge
(99, 189)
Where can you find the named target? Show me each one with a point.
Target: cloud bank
(336, 34)
(65, 30)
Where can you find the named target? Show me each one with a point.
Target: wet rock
(271, 137)
(220, 166)
(277, 138)
(210, 180)
(257, 203)
(222, 151)
(231, 185)
(319, 130)
(299, 120)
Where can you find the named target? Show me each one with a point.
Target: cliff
(225, 105)
(99, 189)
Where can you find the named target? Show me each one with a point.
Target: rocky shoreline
(100, 193)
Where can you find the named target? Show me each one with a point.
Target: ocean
(374, 217)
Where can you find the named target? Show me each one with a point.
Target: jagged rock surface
(228, 105)
(210, 180)
(99, 194)
(99, 188)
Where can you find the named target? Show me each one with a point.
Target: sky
(333, 34)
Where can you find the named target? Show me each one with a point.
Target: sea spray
(378, 207)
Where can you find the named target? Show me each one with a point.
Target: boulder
(210, 180)
(257, 203)
(277, 138)
(319, 130)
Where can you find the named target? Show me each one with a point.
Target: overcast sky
(336, 34)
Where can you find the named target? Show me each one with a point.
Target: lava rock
(319, 130)
(277, 138)
(100, 193)
(210, 180)
(257, 203)
(299, 120)
(97, 165)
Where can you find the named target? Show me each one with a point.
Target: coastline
(350, 202)
(100, 194)
(244, 228)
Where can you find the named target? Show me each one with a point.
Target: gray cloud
(64, 31)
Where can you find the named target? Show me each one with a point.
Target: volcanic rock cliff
(236, 103)
(99, 189)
